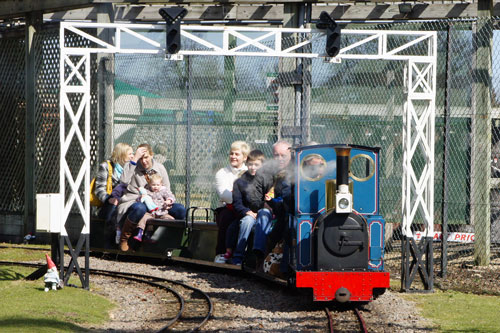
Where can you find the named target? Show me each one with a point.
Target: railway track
(194, 307)
(346, 320)
(192, 313)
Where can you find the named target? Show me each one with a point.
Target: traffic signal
(332, 46)
(173, 17)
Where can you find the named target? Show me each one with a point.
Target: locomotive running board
(265, 276)
(359, 284)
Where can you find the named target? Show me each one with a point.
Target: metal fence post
(189, 100)
(33, 27)
(446, 140)
(287, 77)
(481, 141)
(105, 63)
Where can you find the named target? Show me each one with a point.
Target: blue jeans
(136, 212)
(107, 212)
(263, 227)
(245, 225)
(177, 211)
(232, 234)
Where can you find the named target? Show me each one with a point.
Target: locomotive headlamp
(343, 198)
(343, 203)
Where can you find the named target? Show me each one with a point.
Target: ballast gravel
(241, 304)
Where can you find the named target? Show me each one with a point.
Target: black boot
(259, 261)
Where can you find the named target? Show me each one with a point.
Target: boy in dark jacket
(239, 230)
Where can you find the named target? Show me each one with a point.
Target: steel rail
(361, 320)
(204, 294)
(358, 315)
(154, 284)
(330, 319)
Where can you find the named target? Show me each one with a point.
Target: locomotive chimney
(343, 198)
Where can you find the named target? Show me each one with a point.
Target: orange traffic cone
(50, 263)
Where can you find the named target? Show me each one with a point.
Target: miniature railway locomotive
(339, 233)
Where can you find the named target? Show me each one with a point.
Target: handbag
(94, 200)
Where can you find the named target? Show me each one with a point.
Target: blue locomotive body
(332, 244)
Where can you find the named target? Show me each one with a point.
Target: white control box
(49, 207)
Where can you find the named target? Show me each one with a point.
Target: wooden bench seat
(200, 224)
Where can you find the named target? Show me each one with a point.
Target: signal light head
(173, 17)
(173, 14)
(325, 20)
(332, 45)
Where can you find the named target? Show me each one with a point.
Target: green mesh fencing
(12, 117)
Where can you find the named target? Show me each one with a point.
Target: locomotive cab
(341, 238)
(338, 229)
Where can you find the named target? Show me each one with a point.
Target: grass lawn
(25, 307)
(453, 311)
(12, 253)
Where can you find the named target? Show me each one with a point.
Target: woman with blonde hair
(224, 179)
(122, 153)
(136, 174)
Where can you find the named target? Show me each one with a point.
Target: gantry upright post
(418, 182)
(74, 104)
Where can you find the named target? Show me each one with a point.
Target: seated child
(239, 230)
(158, 200)
(147, 200)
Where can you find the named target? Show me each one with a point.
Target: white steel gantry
(419, 107)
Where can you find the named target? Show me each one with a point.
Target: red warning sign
(457, 237)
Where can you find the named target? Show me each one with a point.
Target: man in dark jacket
(272, 196)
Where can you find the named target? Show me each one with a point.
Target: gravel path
(241, 304)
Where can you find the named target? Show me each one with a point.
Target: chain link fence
(190, 112)
(12, 117)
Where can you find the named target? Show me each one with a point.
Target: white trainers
(117, 237)
(219, 259)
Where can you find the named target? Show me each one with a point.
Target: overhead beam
(374, 11)
(16, 8)
(274, 12)
(195, 13)
(139, 10)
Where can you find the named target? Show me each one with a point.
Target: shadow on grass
(33, 325)
(7, 274)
